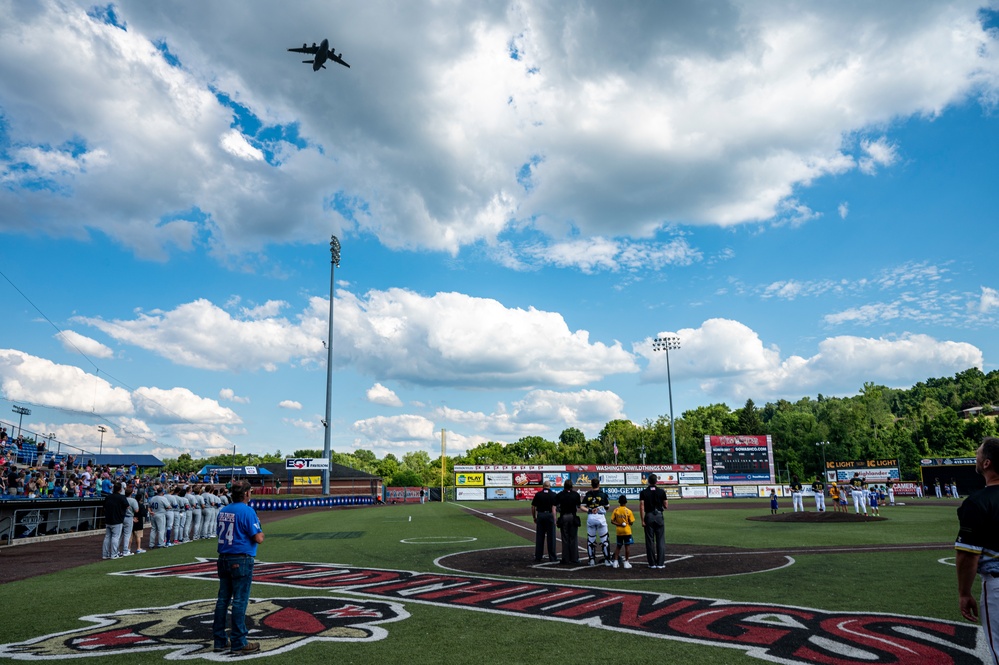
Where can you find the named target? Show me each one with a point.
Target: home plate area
(682, 561)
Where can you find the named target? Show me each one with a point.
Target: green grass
(908, 582)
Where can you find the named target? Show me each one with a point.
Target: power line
(98, 371)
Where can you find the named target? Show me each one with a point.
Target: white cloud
(177, 412)
(402, 431)
(445, 339)
(877, 153)
(201, 334)
(268, 310)
(592, 255)
(843, 209)
(229, 395)
(725, 357)
(74, 342)
(290, 404)
(236, 144)
(311, 426)
(39, 381)
(866, 314)
(989, 300)
(609, 122)
(379, 394)
(180, 405)
(458, 340)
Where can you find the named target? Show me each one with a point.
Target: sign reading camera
(298, 463)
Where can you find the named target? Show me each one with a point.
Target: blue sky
(525, 194)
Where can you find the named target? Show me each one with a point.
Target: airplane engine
(304, 45)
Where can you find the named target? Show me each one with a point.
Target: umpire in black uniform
(652, 502)
(543, 511)
(568, 522)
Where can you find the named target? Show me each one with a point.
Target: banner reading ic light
(469, 479)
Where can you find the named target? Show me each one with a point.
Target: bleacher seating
(27, 454)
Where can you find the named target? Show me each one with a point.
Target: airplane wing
(336, 58)
(311, 50)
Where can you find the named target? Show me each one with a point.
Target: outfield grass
(906, 582)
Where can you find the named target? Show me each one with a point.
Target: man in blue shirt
(239, 533)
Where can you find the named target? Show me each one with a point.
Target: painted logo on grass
(770, 632)
(185, 630)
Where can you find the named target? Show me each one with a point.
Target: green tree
(407, 478)
(748, 420)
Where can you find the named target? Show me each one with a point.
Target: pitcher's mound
(825, 517)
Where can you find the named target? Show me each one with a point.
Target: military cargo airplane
(322, 53)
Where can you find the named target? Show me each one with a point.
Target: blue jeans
(235, 573)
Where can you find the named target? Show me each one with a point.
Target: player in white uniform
(596, 501)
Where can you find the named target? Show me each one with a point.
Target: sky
(526, 194)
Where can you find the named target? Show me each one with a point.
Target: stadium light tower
(22, 412)
(668, 343)
(101, 429)
(823, 444)
(334, 263)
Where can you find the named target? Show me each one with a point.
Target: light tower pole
(823, 444)
(101, 429)
(334, 263)
(668, 343)
(22, 412)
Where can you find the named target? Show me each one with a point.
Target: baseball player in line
(596, 502)
(858, 487)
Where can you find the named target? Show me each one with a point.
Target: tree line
(939, 417)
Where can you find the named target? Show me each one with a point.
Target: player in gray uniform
(198, 503)
(184, 506)
(213, 513)
(172, 513)
(159, 507)
(126, 526)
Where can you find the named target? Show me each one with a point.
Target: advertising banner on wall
(499, 480)
(579, 468)
(739, 459)
(715, 492)
(872, 476)
(296, 463)
(947, 461)
(307, 480)
(672, 492)
(469, 479)
(694, 492)
(470, 493)
(692, 477)
(614, 492)
(612, 479)
(557, 480)
(499, 493)
(524, 478)
(743, 491)
(635, 479)
(763, 491)
(525, 493)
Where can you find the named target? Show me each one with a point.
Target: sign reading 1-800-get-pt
(739, 459)
(298, 463)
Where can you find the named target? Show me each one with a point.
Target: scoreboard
(739, 459)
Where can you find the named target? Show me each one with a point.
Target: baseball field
(457, 583)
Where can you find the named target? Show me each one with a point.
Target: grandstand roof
(120, 460)
(336, 471)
